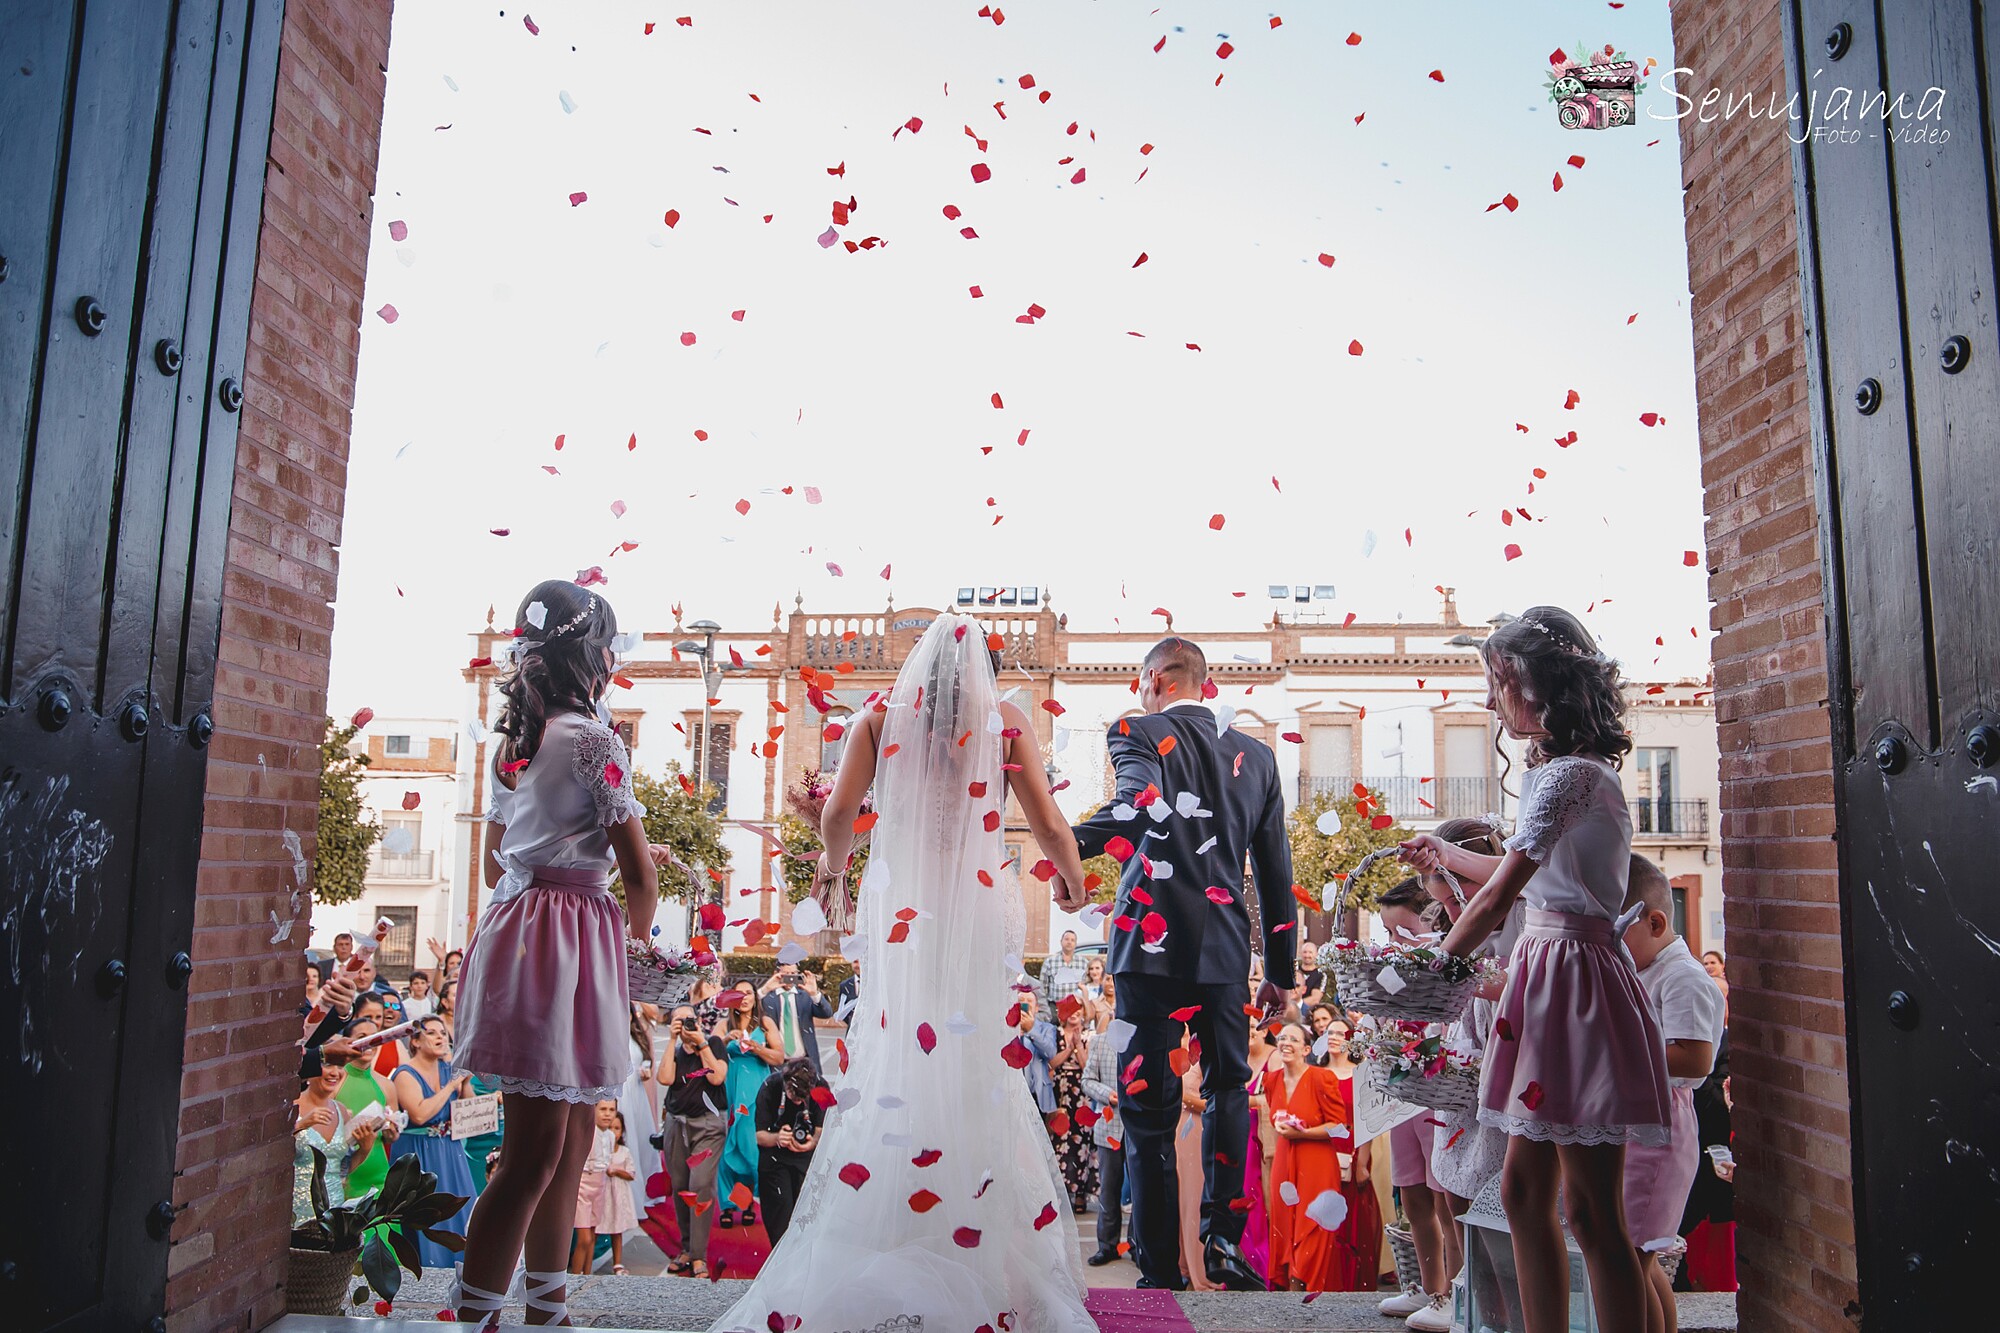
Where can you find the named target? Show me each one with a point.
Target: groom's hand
(1070, 898)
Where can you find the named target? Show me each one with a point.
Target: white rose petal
(536, 615)
(1186, 803)
(1123, 812)
(1203, 849)
(1390, 980)
(1163, 870)
(808, 917)
(959, 1025)
(1328, 823)
(889, 1103)
(1329, 1209)
(1288, 1192)
(791, 953)
(1224, 715)
(1121, 1033)
(847, 1098)
(1159, 812)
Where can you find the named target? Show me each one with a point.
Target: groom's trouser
(1151, 1116)
(694, 1151)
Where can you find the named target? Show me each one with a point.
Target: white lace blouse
(578, 785)
(1576, 827)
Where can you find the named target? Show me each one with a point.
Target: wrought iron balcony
(1414, 798)
(401, 865)
(1653, 817)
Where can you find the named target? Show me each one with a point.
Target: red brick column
(234, 1168)
(1794, 1207)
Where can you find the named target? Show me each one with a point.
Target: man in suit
(793, 1007)
(1194, 799)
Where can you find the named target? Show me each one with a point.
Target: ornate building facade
(1398, 706)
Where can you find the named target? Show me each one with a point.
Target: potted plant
(369, 1236)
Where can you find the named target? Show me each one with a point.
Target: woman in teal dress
(750, 1040)
(426, 1087)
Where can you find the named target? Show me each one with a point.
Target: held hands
(1070, 898)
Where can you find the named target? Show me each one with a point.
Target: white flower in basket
(1415, 1063)
(657, 976)
(1415, 980)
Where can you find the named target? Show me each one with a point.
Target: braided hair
(1571, 687)
(560, 634)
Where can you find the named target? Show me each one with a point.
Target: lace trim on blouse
(600, 757)
(1650, 1136)
(1561, 797)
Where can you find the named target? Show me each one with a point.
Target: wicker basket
(317, 1281)
(1426, 997)
(1452, 1090)
(1670, 1258)
(1409, 1277)
(649, 985)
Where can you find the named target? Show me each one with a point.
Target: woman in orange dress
(1359, 1240)
(1311, 1118)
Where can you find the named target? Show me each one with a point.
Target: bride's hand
(1070, 898)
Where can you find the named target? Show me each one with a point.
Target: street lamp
(711, 681)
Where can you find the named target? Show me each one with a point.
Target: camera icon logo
(1597, 91)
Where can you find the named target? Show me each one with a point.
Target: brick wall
(1795, 1232)
(233, 1171)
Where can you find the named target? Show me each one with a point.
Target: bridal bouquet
(1416, 1063)
(663, 976)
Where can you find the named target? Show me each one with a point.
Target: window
(402, 833)
(713, 765)
(1680, 911)
(628, 731)
(398, 953)
(396, 745)
(1331, 752)
(1653, 807)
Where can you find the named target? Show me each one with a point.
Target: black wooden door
(132, 148)
(1897, 230)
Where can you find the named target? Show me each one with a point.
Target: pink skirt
(542, 1008)
(1657, 1180)
(1575, 1055)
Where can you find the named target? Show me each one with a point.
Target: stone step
(690, 1305)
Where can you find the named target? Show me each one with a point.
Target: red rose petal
(926, 1038)
(966, 1238)
(927, 1157)
(1048, 1215)
(854, 1174)
(1532, 1097)
(981, 173)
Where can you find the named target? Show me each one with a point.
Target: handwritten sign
(475, 1115)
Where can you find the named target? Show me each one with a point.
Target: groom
(1193, 800)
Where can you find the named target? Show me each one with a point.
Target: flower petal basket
(655, 977)
(1451, 1089)
(1430, 986)
(1416, 1063)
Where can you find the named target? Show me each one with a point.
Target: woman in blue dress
(426, 1087)
(751, 1042)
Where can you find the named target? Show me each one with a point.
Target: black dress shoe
(1227, 1266)
(1101, 1258)
(1147, 1284)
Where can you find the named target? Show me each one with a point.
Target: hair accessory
(1561, 641)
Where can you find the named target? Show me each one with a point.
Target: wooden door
(132, 150)
(1897, 251)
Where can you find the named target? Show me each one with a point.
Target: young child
(591, 1188)
(1577, 1069)
(1688, 1006)
(542, 1007)
(616, 1213)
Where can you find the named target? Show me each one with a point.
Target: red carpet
(1133, 1311)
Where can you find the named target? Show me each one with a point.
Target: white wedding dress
(933, 1200)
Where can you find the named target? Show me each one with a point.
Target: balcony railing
(1656, 818)
(1416, 799)
(402, 865)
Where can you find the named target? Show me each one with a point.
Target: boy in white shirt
(1687, 1005)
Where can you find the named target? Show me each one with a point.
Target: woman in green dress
(364, 1087)
(750, 1040)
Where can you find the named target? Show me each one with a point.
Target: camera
(801, 1134)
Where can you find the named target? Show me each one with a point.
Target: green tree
(346, 831)
(1317, 857)
(679, 820)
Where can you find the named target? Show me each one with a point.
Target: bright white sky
(521, 317)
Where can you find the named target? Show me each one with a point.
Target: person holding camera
(694, 1132)
(788, 1124)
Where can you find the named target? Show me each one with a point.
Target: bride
(933, 1200)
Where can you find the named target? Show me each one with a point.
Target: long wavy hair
(1572, 689)
(558, 666)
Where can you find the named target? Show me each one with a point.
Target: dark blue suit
(1231, 781)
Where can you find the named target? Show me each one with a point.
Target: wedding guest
(1258, 1151)
(1687, 1004)
(1061, 975)
(1188, 1173)
(1043, 1043)
(1310, 1119)
(793, 1002)
(1100, 1090)
(448, 961)
(750, 1042)
(343, 949)
(789, 1117)
(1092, 986)
(694, 1079)
(616, 1211)
(325, 1124)
(1710, 1220)
(638, 1103)
(1323, 1018)
(362, 1088)
(426, 1086)
(1359, 1240)
(1076, 1153)
(312, 987)
(849, 992)
(419, 1003)
(447, 1006)
(590, 1188)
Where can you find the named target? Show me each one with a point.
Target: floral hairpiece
(1561, 641)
